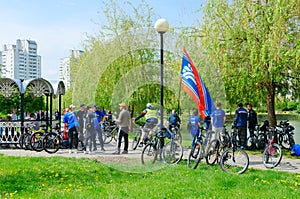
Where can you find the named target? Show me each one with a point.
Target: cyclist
(218, 119)
(194, 124)
(151, 121)
(174, 120)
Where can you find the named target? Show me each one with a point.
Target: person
(218, 119)
(90, 136)
(194, 122)
(80, 117)
(124, 121)
(240, 121)
(98, 119)
(252, 119)
(71, 121)
(14, 115)
(174, 119)
(151, 121)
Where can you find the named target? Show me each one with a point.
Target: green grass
(57, 177)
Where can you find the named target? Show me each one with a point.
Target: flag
(193, 85)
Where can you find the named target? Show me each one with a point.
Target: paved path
(287, 164)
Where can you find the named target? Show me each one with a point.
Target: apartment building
(20, 60)
(65, 67)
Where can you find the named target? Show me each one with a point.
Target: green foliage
(255, 46)
(57, 177)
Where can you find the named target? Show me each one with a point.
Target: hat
(95, 106)
(149, 105)
(81, 105)
(72, 106)
(122, 104)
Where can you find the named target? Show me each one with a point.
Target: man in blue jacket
(240, 121)
(71, 121)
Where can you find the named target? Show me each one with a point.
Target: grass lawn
(58, 177)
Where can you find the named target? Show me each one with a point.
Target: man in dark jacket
(252, 119)
(240, 121)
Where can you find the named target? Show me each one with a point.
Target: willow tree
(255, 44)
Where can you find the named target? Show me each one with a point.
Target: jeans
(98, 132)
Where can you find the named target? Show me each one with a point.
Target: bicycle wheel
(136, 140)
(213, 152)
(283, 140)
(272, 156)
(22, 141)
(149, 154)
(234, 160)
(107, 136)
(172, 152)
(51, 142)
(36, 141)
(115, 134)
(194, 155)
(251, 142)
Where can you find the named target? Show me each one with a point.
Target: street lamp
(161, 26)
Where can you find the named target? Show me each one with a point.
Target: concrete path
(287, 164)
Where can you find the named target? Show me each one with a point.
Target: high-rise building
(65, 67)
(21, 61)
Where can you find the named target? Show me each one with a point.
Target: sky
(61, 25)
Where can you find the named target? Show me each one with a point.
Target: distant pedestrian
(252, 119)
(124, 121)
(71, 121)
(240, 121)
(81, 114)
(90, 134)
(99, 118)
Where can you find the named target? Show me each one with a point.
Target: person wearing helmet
(151, 121)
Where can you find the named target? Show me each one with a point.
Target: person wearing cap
(80, 117)
(98, 119)
(151, 121)
(71, 121)
(240, 121)
(124, 121)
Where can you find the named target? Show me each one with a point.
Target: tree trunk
(271, 104)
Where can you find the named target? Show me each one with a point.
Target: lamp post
(161, 26)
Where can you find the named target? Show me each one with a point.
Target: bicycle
(272, 154)
(36, 140)
(197, 151)
(137, 138)
(110, 132)
(170, 153)
(286, 135)
(217, 147)
(234, 160)
(56, 140)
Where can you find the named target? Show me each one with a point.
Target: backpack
(295, 150)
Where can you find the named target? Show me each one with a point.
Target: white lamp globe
(161, 25)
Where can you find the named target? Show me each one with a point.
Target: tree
(256, 46)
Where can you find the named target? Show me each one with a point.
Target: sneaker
(70, 151)
(125, 152)
(116, 153)
(85, 152)
(102, 149)
(141, 144)
(95, 149)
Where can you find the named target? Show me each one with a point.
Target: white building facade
(65, 67)
(20, 60)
